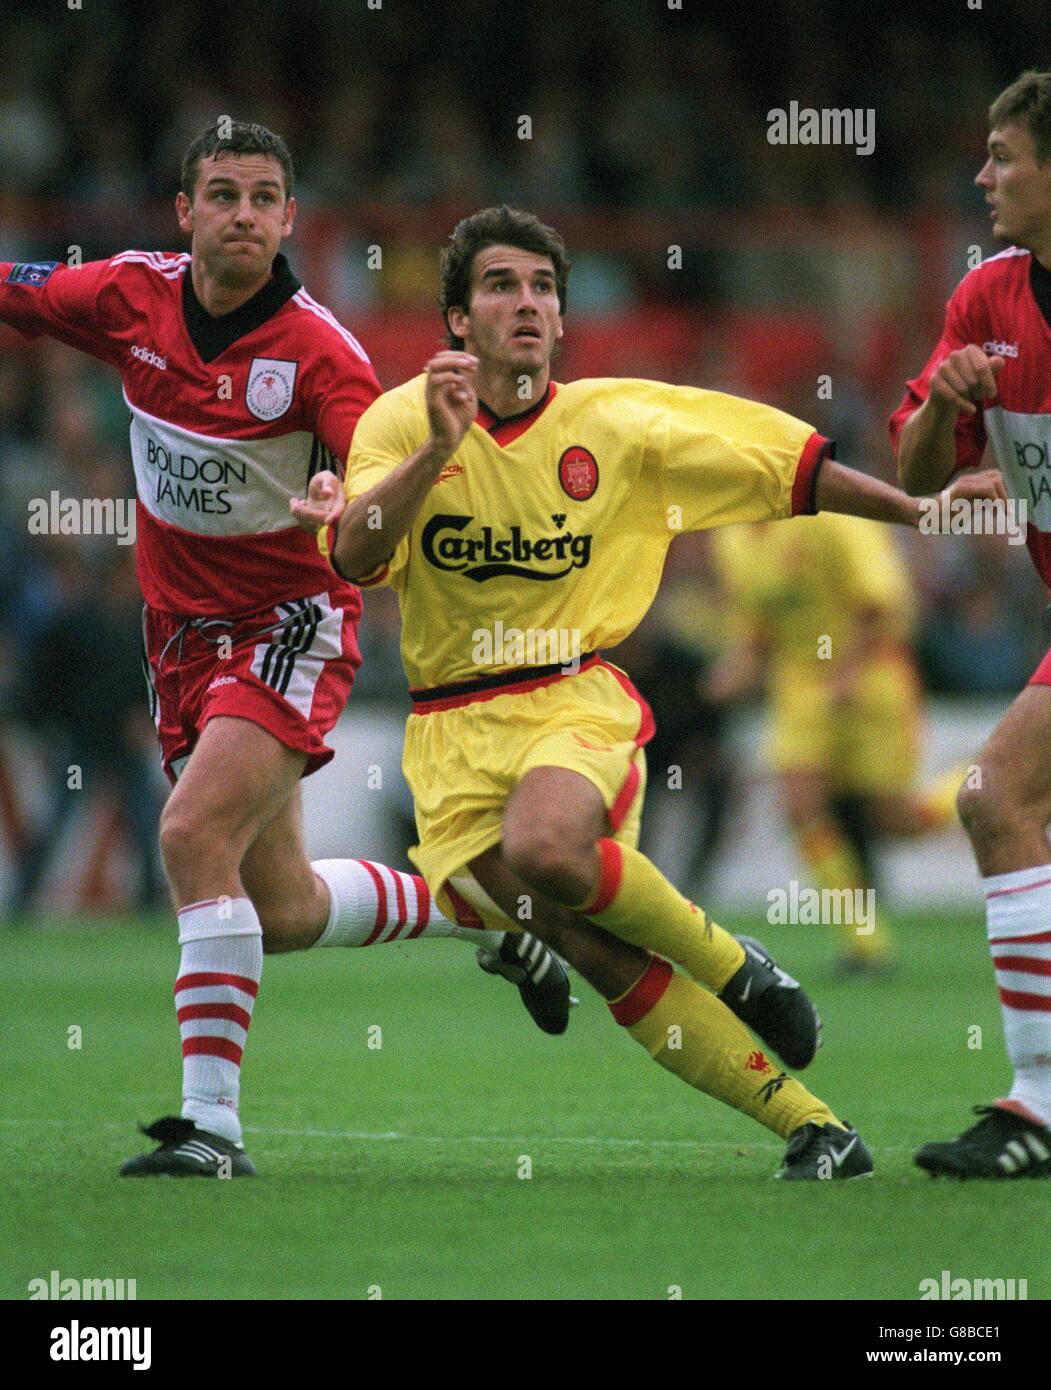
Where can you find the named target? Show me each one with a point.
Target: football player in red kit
(988, 384)
(240, 388)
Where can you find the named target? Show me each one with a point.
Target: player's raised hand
(452, 397)
(323, 505)
(966, 378)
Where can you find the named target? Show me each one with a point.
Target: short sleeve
(960, 329)
(721, 459)
(343, 386)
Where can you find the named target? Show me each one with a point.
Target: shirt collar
(490, 421)
(211, 335)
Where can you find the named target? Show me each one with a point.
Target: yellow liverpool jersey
(803, 587)
(557, 538)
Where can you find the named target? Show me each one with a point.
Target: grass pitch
(398, 1167)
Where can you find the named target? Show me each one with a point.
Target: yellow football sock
(637, 903)
(691, 1033)
(833, 864)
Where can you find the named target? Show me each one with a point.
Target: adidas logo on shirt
(151, 358)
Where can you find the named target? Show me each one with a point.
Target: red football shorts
(287, 669)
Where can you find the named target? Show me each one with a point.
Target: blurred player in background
(91, 716)
(823, 609)
(486, 494)
(988, 383)
(240, 387)
(690, 762)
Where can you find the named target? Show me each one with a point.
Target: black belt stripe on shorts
(518, 676)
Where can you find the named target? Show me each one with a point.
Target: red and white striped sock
(1018, 913)
(372, 903)
(219, 974)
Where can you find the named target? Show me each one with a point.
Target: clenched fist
(966, 378)
(452, 398)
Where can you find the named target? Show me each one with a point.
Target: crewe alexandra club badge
(578, 473)
(270, 386)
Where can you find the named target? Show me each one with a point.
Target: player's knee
(197, 846)
(989, 809)
(181, 841)
(541, 857)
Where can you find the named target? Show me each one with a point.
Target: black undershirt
(212, 335)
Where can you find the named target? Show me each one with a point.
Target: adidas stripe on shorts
(288, 669)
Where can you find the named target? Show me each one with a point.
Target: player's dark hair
(239, 137)
(502, 226)
(1027, 102)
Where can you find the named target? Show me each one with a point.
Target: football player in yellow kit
(823, 608)
(523, 525)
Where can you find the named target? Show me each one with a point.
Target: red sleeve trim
(815, 451)
(644, 994)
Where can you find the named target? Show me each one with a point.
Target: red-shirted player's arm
(78, 305)
(937, 430)
(340, 388)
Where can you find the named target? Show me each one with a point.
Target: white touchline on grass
(596, 1141)
(588, 1141)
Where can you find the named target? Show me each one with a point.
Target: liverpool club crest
(578, 473)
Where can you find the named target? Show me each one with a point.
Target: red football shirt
(230, 417)
(1001, 306)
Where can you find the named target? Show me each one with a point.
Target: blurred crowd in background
(636, 104)
(810, 276)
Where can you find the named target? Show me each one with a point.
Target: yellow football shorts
(869, 745)
(463, 759)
